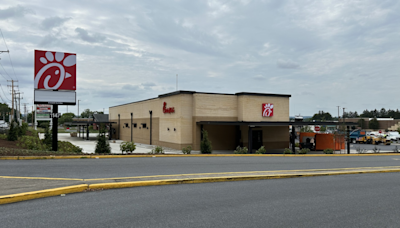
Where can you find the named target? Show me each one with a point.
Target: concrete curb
(221, 179)
(80, 188)
(41, 194)
(190, 155)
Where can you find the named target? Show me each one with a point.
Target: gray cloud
(14, 11)
(287, 64)
(84, 35)
(148, 84)
(215, 46)
(130, 87)
(52, 22)
(259, 77)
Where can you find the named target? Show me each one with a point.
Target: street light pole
(78, 108)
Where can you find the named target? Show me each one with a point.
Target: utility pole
(25, 112)
(12, 98)
(343, 114)
(18, 105)
(176, 82)
(338, 117)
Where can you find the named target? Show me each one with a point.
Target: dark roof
(193, 92)
(100, 118)
(273, 123)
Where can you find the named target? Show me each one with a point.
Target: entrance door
(257, 139)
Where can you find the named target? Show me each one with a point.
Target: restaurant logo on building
(267, 109)
(168, 110)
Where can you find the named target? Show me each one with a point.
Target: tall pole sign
(55, 83)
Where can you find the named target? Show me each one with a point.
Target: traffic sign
(317, 128)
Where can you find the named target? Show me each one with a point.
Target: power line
(4, 93)
(3, 76)
(9, 55)
(5, 71)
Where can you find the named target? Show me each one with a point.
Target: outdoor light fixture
(174, 129)
(168, 129)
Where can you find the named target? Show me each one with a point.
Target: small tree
(205, 145)
(13, 132)
(127, 147)
(48, 137)
(373, 124)
(102, 145)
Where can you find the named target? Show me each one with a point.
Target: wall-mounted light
(174, 129)
(168, 129)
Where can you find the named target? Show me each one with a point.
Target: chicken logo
(267, 110)
(55, 70)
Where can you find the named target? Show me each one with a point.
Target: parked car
(393, 135)
(3, 124)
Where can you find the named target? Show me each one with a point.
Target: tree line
(382, 113)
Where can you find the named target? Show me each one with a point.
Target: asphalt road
(366, 200)
(371, 147)
(128, 167)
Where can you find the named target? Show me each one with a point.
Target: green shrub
(102, 145)
(296, 144)
(205, 145)
(262, 150)
(157, 150)
(13, 132)
(48, 137)
(32, 143)
(287, 151)
(127, 147)
(23, 129)
(376, 150)
(241, 150)
(328, 151)
(68, 147)
(187, 150)
(304, 151)
(3, 136)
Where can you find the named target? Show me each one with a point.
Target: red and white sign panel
(55, 70)
(267, 109)
(317, 128)
(43, 107)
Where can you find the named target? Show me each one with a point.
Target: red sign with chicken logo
(267, 109)
(55, 70)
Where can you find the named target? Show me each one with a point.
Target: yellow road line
(198, 174)
(249, 172)
(220, 179)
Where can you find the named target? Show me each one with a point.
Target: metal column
(250, 139)
(55, 128)
(293, 139)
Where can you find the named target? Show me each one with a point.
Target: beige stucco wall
(192, 108)
(215, 105)
(250, 108)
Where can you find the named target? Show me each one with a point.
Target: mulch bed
(9, 144)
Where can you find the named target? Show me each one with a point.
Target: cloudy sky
(324, 53)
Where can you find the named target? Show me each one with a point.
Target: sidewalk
(89, 146)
